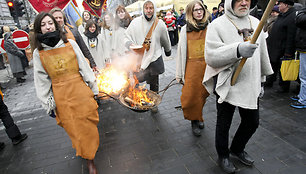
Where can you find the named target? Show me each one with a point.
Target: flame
(112, 81)
(139, 95)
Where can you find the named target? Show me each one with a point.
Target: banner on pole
(94, 6)
(73, 14)
(47, 5)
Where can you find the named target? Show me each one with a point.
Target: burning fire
(112, 81)
(138, 96)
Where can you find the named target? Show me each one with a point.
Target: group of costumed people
(104, 40)
(207, 56)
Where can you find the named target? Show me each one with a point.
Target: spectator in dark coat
(301, 48)
(11, 128)
(14, 55)
(214, 13)
(181, 20)
(282, 41)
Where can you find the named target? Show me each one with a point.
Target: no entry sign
(2, 50)
(21, 39)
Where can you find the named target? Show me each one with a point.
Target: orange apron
(76, 109)
(194, 93)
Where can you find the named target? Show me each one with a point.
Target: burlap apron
(76, 109)
(194, 93)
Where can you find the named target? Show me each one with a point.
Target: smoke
(127, 62)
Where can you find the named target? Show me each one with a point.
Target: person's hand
(246, 49)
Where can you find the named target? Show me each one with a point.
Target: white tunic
(96, 49)
(222, 40)
(137, 31)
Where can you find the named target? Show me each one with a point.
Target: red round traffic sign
(2, 50)
(21, 39)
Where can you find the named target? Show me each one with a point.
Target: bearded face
(242, 7)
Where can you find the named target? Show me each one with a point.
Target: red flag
(75, 3)
(47, 5)
(94, 6)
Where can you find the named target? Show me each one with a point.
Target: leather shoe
(226, 165)
(2, 145)
(201, 125)
(19, 139)
(244, 158)
(195, 128)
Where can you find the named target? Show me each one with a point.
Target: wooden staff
(254, 38)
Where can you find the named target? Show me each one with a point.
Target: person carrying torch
(227, 42)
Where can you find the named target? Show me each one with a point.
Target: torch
(254, 38)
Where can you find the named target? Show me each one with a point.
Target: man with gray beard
(227, 41)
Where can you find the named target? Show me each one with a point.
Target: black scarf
(198, 27)
(50, 38)
(147, 18)
(91, 35)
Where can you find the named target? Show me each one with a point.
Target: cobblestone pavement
(147, 143)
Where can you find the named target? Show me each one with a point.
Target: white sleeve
(43, 84)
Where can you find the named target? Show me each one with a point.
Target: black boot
(20, 80)
(226, 165)
(201, 125)
(195, 128)
(243, 157)
(19, 139)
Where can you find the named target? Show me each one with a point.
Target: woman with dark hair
(93, 41)
(86, 16)
(66, 85)
(123, 17)
(190, 64)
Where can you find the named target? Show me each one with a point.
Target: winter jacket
(181, 20)
(14, 54)
(300, 22)
(281, 40)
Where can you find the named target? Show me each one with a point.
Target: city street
(150, 143)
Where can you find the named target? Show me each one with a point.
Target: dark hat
(275, 8)
(289, 2)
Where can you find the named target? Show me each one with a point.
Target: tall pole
(254, 38)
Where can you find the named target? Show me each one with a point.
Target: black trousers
(150, 74)
(172, 37)
(10, 127)
(248, 125)
(152, 80)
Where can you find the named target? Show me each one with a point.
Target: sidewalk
(146, 143)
